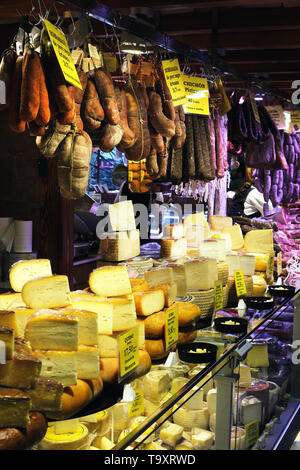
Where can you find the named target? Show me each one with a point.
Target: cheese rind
(48, 292)
(26, 270)
(14, 408)
(170, 292)
(149, 302)
(46, 395)
(110, 281)
(259, 241)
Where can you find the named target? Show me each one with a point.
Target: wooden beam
(265, 55)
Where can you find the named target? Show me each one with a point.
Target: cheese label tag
(95, 56)
(136, 407)
(77, 55)
(254, 108)
(197, 94)
(240, 285)
(279, 263)
(128, 352)
(63, 54)
(174, 79)
(218, 295)
(276, 113)
(110, 62)
(171, 327)
(251, 433)
(270, 265)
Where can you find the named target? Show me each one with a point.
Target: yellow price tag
(225, 106)
(63, 54)
(240, 285)
(251, 433)
(197, 93)
(171, 327)
(218, 295)
(129, 351)
(136, 407)
(174, 79)
(279, 263)
(270, 266)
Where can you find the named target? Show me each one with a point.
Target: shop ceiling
(258, 38)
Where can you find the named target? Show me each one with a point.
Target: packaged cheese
(26, 270)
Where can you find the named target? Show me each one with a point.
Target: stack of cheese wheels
(161, 279)
(232, 295)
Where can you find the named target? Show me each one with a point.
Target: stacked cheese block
(153, 296)
(173, 244)
(122, 240)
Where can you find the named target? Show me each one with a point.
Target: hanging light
(131, 44)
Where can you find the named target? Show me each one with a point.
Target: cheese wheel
(20, 439)
(110, 281)
(109, 368)
(47, 292)
(232, 296)
(187, 313)
(78, 440)
(149, 302)
(186, 337)
(26, 270)
(156, 348)
(259, 286)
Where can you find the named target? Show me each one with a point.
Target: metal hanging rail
(129, 24)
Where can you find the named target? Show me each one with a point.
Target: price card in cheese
(240, 285)
(251, 433)
(63, 54)
(270, 265)
(197, 94)
(171, 327)
(128, 352)
(218, 295)
(174, 79)
(136, 407)
(279, 263)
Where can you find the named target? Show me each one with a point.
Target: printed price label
(240, 285)
(136, 407)
(197, 94)
(129, 351)
(270, 266)
(218, 295)
(251, 433)
(279, 263)
(63, 54)
(171, 327)
(174, 79)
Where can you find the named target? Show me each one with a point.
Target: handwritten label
(251, 433)
(197, 94)
(63, 54)
(171, 327)
(240, 285)
(279, 263)
(136, 407)
(129, 352)
(218, 295)
(270, 266)
(276, 113)
(174, 79)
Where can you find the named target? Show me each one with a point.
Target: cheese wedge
(201, 274)
(170, 292)
(213, 248)
(245, 378)
(219, 222)
(110, 281)
(157, 383)
(236, 234)
(159, 275)
(7, 341)
(120, 246)
(222, 236)
(258, 356)
(149, 302)
(203, 440)
(87, 325)
(138, 284)
(48, 292)
(179, 276)
(173, 231)
(195, 234)
(88, 363)
(58, 365)
(121, 216)
(9, 301)
(171, 434)
(26, 270)
(259, 241)
(21, 317)
(124, 314)
(48, 329)
(104, 311)
(173, 248)
(196, 219)
(237, 262)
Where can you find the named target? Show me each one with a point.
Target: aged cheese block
(110, 281)
(171, 434)
(138, 284)
(157, 383)
(179, 276)
(7, 336)
(259, 286)
(23, 370)
(14, 408)
(196, 219)
(78, 440)
(21, 317)
(214, 248)
(245, 375)
(201, 274)
(203, 440)
(159, 275)
(223, 236)
(58, 365)
(10, 300)
(259, 241)
(104, 311)
(173, 248)
(48, 329)
(237, 262)
(236, 234)
(8, 319)
(88, 362)
(27, 270)
(170, 292)
(120, 246)
(195, 234)
(149, 302)
(124, 314)
(46, 395)
(173, 231)
(87, 325)
(191, 418)
(121, 216)
(48, 292)
(219, 222)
